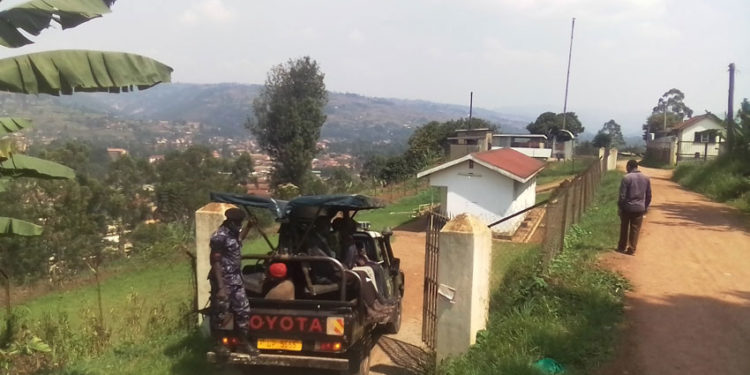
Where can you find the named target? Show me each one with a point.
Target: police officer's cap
(234, 214)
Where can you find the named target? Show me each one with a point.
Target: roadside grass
(569, 312)
(723, 180)
(558, 171)
(399, 212)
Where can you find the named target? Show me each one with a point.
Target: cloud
(207, 11)
(356, 36)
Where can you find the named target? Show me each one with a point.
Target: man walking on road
(635, 197)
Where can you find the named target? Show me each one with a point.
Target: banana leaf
(27, 166)
(13, 124)
(69, 71)
(6, 149)
(11, 226)
(36, 15)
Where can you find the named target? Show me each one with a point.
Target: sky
(512, 54)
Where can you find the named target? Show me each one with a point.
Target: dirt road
(402, 354)
(689, 311)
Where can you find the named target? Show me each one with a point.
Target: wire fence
(567, 204)
(397, 190)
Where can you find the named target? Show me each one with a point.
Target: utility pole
(471, 106)
(730, 110)
(567, 78)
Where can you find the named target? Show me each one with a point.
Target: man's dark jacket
(635, 193)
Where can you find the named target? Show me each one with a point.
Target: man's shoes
(244, 345)
(630, 251)
(619, 250)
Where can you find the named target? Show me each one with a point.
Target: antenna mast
(567, 78)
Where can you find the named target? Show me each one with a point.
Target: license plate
(274, 344)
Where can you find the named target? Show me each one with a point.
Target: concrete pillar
(207, 220)
(612, 160)
(463, 284)
(601, 152)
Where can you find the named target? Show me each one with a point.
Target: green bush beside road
(724, 180)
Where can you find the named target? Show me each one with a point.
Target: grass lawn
(399, 212)
(568, 312)
(558, 171)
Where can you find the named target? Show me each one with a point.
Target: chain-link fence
(567, 203)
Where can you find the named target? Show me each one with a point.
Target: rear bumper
(282, 360)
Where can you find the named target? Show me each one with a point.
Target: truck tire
(359, 363)
(394, 325)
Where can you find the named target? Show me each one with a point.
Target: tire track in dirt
(689, 310)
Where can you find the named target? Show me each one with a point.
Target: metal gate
(431, 253)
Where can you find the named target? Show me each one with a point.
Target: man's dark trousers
(630, 227)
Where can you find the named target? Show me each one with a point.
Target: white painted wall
(485, 194)
(538, 153)
(687, 136)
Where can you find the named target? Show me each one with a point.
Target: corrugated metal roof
(511, 161)
(505, 161)
(691, 121)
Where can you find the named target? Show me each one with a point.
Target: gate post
(463, 284)
(207, 220)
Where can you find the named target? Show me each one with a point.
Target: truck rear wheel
(394, 325)
(359, 363)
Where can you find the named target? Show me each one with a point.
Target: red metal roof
(510, 161)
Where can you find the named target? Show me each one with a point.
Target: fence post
(463, 297)
(565, 220)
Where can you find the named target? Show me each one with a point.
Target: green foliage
(550, 124)
(726, 179)
(569, 312)
(398, 213)
(609, 136)
(242, 169)
(669, 111)
(185, 179)
(289, 113)
(36, 15)
(741, 149)
(673, 101)
(160, 240)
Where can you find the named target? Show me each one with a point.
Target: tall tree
(609, 135)
(549, 123)
(289, 113)
(669, 111)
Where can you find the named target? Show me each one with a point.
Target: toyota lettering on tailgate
(284, 323)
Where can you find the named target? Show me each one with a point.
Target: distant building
(467, 141)
(695, 138)
(532, 145)
(116, 153)
(155, 158)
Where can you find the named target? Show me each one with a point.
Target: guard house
(489, 184)
(532, 145)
